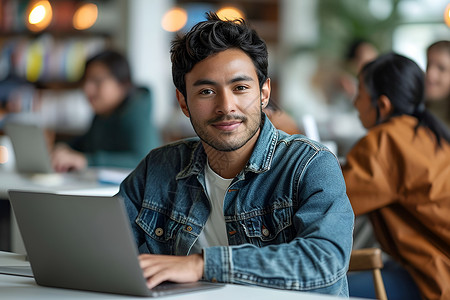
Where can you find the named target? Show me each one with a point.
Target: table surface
(88, 182)
(17, 287)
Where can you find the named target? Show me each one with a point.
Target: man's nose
(226, 103)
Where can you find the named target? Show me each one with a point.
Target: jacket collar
(263, 152)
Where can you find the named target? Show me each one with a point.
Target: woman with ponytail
(399, 174)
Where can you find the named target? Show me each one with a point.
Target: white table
(16, 287)
(55, 183)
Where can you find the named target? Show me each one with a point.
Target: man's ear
(385, 107)
(265, 93)
(182, 103)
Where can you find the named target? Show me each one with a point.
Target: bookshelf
(38, 66)
(53, 56)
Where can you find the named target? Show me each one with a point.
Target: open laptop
(30, 147)
(85, 243)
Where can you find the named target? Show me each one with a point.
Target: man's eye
(206, 92)
(241, 88)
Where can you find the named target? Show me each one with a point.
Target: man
(245, 203)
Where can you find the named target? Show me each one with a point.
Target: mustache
(227, 118)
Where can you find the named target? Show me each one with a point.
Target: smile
(227, 126)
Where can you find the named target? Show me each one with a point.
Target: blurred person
(437, 80)
(242, 202)
(338, 83)
(399, 174)
(281, 119)
(359, 53)
(121, 133)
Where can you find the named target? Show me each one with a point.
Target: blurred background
(313, 59)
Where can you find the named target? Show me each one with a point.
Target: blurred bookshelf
(48, 60)
(52, 57)
(41, 67)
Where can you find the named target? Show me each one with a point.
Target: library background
(44, 45)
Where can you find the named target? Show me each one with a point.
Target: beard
(228, 141)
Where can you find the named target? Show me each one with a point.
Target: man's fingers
(148, 265)
(153, 271)
(157, 278)
(156, 274)
(159, 268)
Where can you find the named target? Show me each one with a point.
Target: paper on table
(113, 176)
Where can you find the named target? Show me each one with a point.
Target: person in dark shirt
(121, 133)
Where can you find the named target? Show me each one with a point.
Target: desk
(16, 287)
(86, 183)
(55, 183)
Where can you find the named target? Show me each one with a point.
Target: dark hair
(213, 36)
(402, 81)
(439, 45)
(115, 62)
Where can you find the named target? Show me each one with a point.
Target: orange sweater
(402, 180)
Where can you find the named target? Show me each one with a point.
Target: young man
(244, 203)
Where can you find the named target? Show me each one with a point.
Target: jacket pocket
(273, 227)
(161, 231)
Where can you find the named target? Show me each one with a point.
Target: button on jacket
(288, 219)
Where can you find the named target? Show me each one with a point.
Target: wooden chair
(369, 259)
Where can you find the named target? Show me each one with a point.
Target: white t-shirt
(214, 233)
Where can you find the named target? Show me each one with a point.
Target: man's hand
(181, 269)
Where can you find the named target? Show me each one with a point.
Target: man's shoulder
(177, 150)
(183, 145)
(174, 157)
(301, 149)
(299, 140)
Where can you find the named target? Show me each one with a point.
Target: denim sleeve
(317, 258)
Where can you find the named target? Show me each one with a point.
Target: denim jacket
(288, 218)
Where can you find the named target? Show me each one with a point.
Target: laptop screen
(30, 147)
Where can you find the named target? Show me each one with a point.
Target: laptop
(30, 147)
(85, 243)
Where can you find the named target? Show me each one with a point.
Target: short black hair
(115, 62)
(213, 36)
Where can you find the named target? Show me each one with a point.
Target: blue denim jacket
(288, 218)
